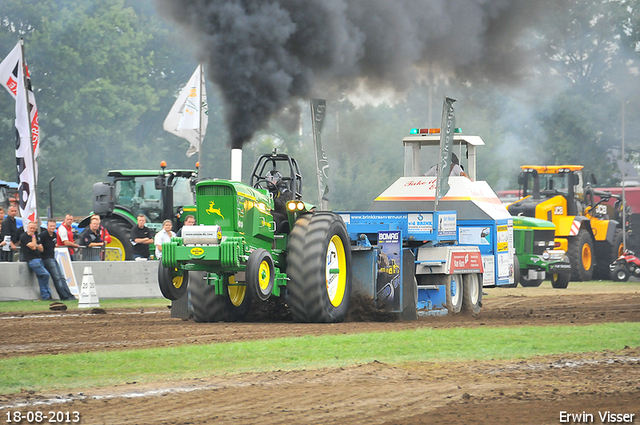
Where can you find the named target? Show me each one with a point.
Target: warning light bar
(431, 130)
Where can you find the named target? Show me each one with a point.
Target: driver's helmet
(273, 178)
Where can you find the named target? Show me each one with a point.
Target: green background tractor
(157, 194)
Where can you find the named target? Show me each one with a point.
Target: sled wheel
(620, 274)
(120, 238)
(454, 288)
(210, 307)
(319, 268)
(173, 282)
(260, 275)
(560, 281)
(472, 293)
(580, 253)
(516, 273)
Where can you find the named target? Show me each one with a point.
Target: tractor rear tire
(209, 307)
(560, 281)
(319, 269)
(606, 253)
(580, 253)
(120, 232)
(173, 285)
(472, 293)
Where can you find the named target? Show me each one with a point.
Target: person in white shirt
(162, 236)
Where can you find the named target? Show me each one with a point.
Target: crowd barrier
(113, 279)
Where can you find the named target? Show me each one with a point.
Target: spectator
(65, 235)
(162, 236)
(141, 239)
(9, 234)
(188, 221)
(91, 239)
(104, 234)
(31, 254)
(48, 239)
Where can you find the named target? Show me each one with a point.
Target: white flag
(28, 139)
(189, 115)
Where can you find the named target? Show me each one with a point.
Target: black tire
(173, 282)
(209, 307)
(472, 293)
(516, 273)
(120, 232)
(315, 293)
(605, 254)
(529, 283)
(560, 281)
(620, 274)
(580, 253)
(260, 275)
(454, 286)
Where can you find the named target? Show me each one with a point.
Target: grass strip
(308, 352)
(26, 306)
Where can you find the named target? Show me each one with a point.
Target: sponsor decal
(197, 251)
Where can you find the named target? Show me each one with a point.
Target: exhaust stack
(236, 165)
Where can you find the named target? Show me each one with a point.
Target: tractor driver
(281, 195)
(456, 169)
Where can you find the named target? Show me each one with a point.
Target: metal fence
(98, 253)
(85, 254)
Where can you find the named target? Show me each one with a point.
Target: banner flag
(189, 115)
(318, 111)
(13, 78)
(447, 129)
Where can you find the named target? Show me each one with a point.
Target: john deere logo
(197, 251)
(212, 210)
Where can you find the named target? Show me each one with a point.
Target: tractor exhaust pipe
(236, 165)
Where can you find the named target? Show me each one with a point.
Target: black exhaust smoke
(266, 54)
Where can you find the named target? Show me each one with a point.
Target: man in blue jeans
(31, 249)
(48, 240)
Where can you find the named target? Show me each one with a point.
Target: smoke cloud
(266, 54)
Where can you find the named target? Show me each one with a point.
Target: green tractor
(536, 257)
(239, 254)
(156, 194)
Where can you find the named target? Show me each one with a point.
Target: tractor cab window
(182, 193)
(554, 184)
(141, 197)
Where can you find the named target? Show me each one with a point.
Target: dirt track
(534, 391)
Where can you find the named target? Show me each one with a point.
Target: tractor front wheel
(319, 268)
(260, 275)
(580, 253)
(560, 281)
(173, 282)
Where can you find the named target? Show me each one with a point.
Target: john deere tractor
(585, 228)
(238, 254)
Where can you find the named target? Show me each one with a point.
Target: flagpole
(33, 160)
(200, 119)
